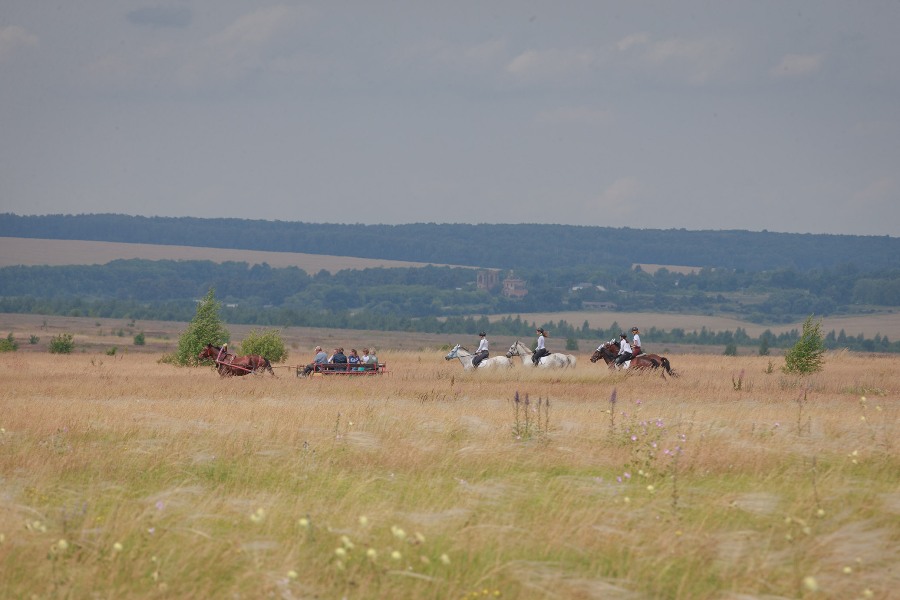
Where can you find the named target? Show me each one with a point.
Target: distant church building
(513, 287)
(487, 279)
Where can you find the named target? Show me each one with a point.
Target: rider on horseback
(636, 346)
(482, 352)
(625, 353)
(540, 350)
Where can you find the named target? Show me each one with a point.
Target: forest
(484, 245)
(762, 277)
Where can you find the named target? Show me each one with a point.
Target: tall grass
(126, 478)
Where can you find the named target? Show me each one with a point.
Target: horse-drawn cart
(352, 370)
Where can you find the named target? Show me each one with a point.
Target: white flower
(810, 583)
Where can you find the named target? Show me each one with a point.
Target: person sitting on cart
(320, 359)
(339, 358)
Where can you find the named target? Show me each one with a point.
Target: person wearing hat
(636, 346)
(624, 350)
(482, 352)
(540, 350)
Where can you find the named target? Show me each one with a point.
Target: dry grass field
(28, 251)
(125, 478)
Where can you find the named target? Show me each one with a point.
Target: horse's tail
(668, 367)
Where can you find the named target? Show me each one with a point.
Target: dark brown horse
(228, 364)
(610, 350)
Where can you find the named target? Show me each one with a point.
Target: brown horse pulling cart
(228, 364)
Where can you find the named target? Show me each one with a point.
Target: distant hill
(499, 246)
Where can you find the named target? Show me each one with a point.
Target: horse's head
(514, 350)
(453, 353)
(597, 355)
(209, 352)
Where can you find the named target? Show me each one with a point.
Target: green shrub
(62, 344)
(33, 339)
(266, 343)
(9, 344)
(807, 355)
(730, 349)
(112, 351)
(205, 328)
(139, 339)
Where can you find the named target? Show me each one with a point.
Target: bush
(140, 341)
(807, 355)
(33, 339)
(267, 344)
(9, 344)
(112, 351)
(62, 344)
(730, 349)
(205, 328)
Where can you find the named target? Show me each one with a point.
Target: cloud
(620, 201)
(13, 37)
(253, 42)
(548, 64)
(798, 65)
(699, 59)
(881, 192)
(161, 16)
(579, 115)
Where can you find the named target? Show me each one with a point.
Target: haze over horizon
(655, 115)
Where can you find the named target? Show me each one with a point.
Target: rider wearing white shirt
(636, 346)
(482, 352)
(540, 350)
(624, 350)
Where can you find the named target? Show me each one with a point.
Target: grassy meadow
(125, 478)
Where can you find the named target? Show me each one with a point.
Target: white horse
(465, 357)
(551, 361)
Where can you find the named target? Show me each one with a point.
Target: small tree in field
(9, 344)
(205, 328)
(267, 344)
(807, 355)
(62, 344)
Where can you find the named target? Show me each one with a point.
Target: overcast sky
(699, 115)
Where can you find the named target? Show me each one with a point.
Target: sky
(756, 115)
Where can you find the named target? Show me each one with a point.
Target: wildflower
(420, 538)
(303, 522)
(651, 489)
(396, 555)
(820, 513)
(848, 570)
(159, 505)
(340, 552)
(627, 475)
(626, 499)
(425, 560)
(63, 545)
(347, 543)
(445, 559)
(372, 553)
(634, 438)
(151, 530)
(259, 516)
(117, 547)
(398, 532)
(867, 593)
(292, 574)
(363, 520)
(810, 583)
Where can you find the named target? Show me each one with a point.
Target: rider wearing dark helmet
(636, 346)
(482, 352)
(540, 350)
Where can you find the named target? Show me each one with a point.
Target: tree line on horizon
(443, 299)
(503, 246)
